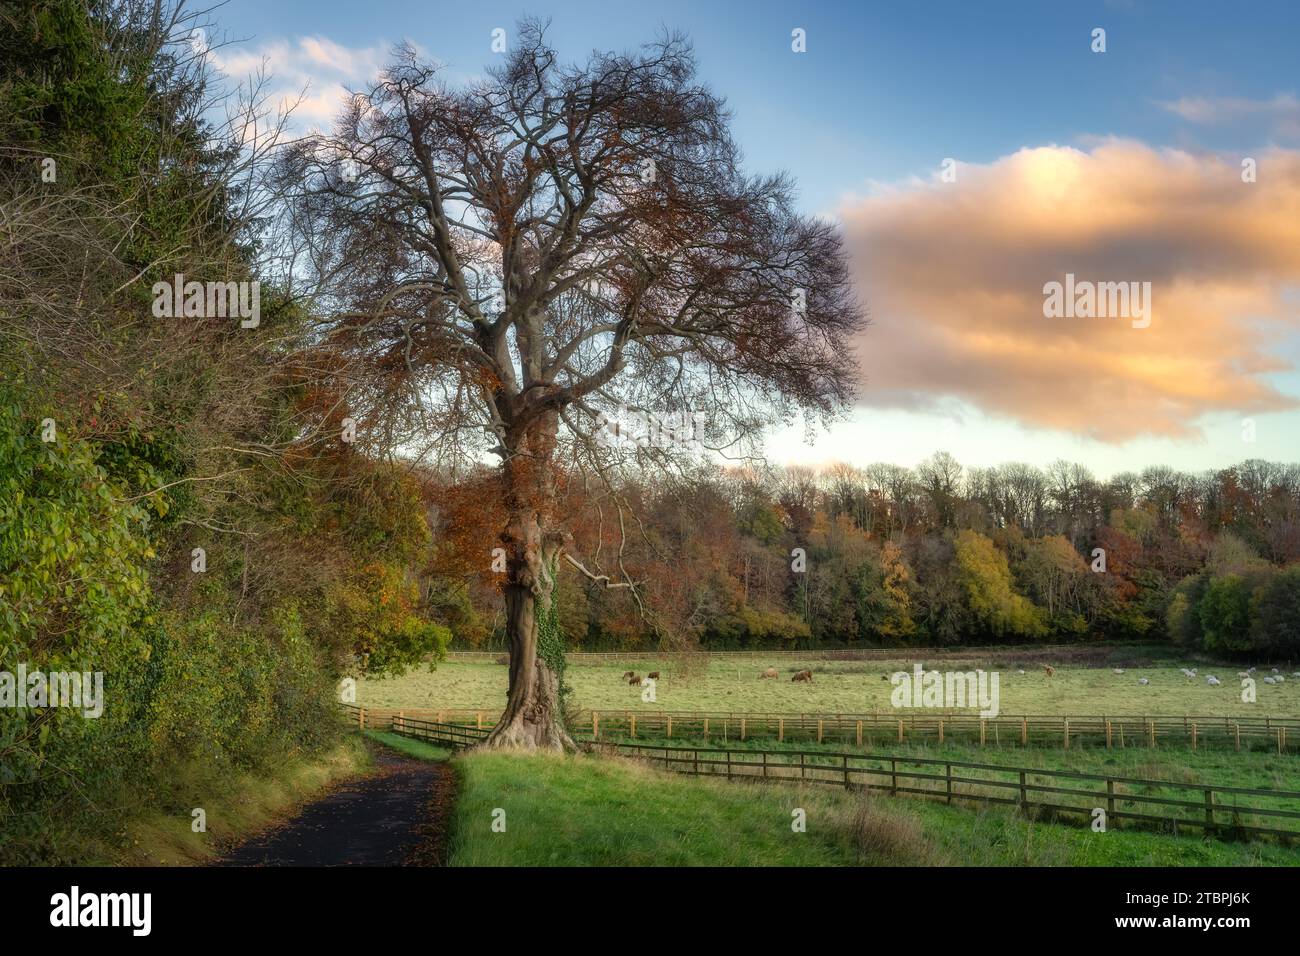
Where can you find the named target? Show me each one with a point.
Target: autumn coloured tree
(505, 267)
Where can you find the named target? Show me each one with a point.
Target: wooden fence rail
(455, 736)
(1219, 811)
(821, 654)
(871, 729)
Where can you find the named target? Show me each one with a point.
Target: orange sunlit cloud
(953, 273)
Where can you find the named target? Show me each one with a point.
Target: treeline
(177, 510)
(933, 555)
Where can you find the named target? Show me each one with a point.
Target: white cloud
(1281, 113)
(311, 74)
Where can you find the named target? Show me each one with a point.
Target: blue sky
(883, 94)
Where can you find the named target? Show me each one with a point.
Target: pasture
(592, 811)
(716, 683)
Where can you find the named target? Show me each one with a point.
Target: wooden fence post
(595, 725)
(361, 718)
(1151, 726)
(983, 731)
(1209, 810)
(780, 729)
(819, 730)
(479, 715)
(706, 728)
(846, 771)
(1193, 735)
(893, 770)
(1110, 798)
(949, 774)
(670, 728)
(1108, 737)
(1237, 734)
(1024, 731)
(859, 735)
(742, 728)
(631, 719)
(1066, 724)
(900, 731)
(941, 730)
(1024, 793)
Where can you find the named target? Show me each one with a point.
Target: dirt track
(397, 816)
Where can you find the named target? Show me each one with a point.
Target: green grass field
(589, 811)
(850, 687)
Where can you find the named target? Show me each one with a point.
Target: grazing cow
(1051, 671)
(770, 672)
(633, 680)
(653, 675)
(803, 676)
(627, 674)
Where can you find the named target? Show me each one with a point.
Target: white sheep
(1143, 681)
(1280, 679)
(1212, 681)
(1276, 671)
(1243, 673)
(1270, 680)
(1119, 670)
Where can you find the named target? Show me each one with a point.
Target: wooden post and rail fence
(1220, 811)
(1281, 734)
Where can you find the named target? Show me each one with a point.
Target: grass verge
(589, 811)
(235, 806)
(409, 746)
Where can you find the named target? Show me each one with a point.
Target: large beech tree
(507, 266)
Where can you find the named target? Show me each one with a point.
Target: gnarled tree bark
(532, 717)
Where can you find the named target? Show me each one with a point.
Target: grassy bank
(419, 749)
(236, 807)
(588, 811)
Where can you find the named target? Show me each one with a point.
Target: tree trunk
(532, 718)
